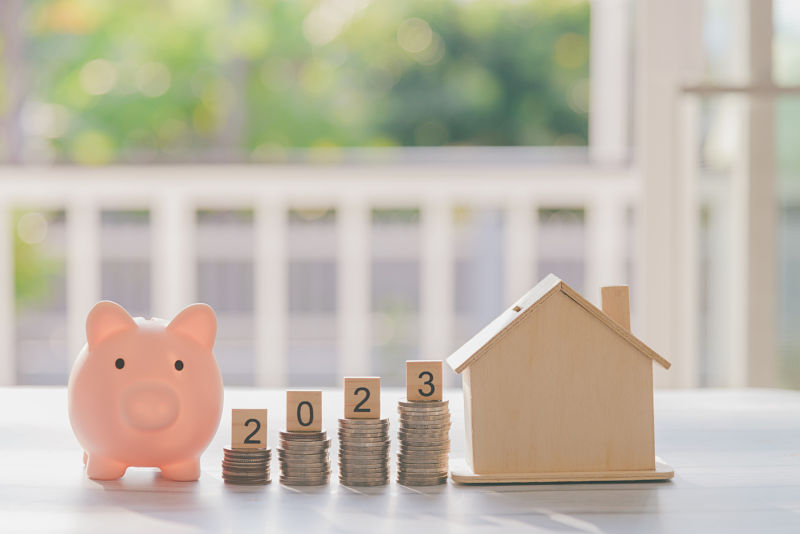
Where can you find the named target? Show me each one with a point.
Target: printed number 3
(428, 382)
(253, 433)
(358, 408)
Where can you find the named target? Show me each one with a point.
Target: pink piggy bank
(146, 393)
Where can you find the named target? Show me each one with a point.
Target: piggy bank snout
(150, 406)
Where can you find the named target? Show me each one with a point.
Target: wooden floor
(736, 456)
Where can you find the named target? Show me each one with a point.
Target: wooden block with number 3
(304, 411)
(424, 380)
(362, 397)
(249, 429)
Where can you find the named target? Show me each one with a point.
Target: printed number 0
(358, 408)
(310, 413)
(428, 382)
(253, 433)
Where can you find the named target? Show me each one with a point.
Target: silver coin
(443, 433)
(420, 428)
(422, 454)
(417, 462)
(372, 442)
(417, 416)
(424, 440)
(246, 452)
(422, 482)
(417, 427)
(362, 435)
(367, 445)
(356, 453)
(247, 482)
(245, 479)
(303, 435)
(304, 442)
(255, 454)
(425, 447)
(364, 478)
(245, 464)
(422, 471)
(304, 482)
(305, 474)
(246, 460)
(299, 454)
(363, 481)
(411, 404)
(423, 412)
(305, 445)
(363, 484)
(254, 468)
(356, 457)
(303, 464)
(411, 451)
(423, 462)
(363, 422)
(365, 461)
(364, 470)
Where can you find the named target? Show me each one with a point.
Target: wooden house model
(557, 390)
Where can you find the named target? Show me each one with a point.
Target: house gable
(520, 311)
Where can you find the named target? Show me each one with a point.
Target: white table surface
(736, 455)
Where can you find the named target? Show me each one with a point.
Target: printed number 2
(253, 433)
(358, 408)
(310, 413)
(428, 382)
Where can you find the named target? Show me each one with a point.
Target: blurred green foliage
(149, 79)
(34, 269)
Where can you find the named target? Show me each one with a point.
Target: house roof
(479, 345)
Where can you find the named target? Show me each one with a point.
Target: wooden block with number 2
(362, 397)
(424, 380)
(304, 411)
(249, 429)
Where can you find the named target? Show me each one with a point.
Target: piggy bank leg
(183, 471)
(100, 468)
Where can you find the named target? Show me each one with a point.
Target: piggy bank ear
(106, 319)
(196, 322)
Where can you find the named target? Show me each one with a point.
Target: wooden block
(249, 429)
(424, 380)
(362, 397)
(304, 411)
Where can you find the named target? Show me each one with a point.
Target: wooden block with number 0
(424, 380)
(362, 397)
(304, 411)
(249, 429)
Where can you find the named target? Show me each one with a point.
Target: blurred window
(230, 80)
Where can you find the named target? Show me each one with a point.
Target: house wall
(465, 382)
(560, 392)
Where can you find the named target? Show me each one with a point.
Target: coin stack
(249, 467)
(304, 458)
(424, 443)
(364, 452)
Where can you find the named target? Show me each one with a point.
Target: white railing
(172, 194)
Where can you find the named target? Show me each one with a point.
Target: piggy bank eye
(120, 363)
(179, 365)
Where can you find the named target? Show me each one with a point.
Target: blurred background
(353, 183)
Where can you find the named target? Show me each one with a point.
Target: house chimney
(616, 304)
